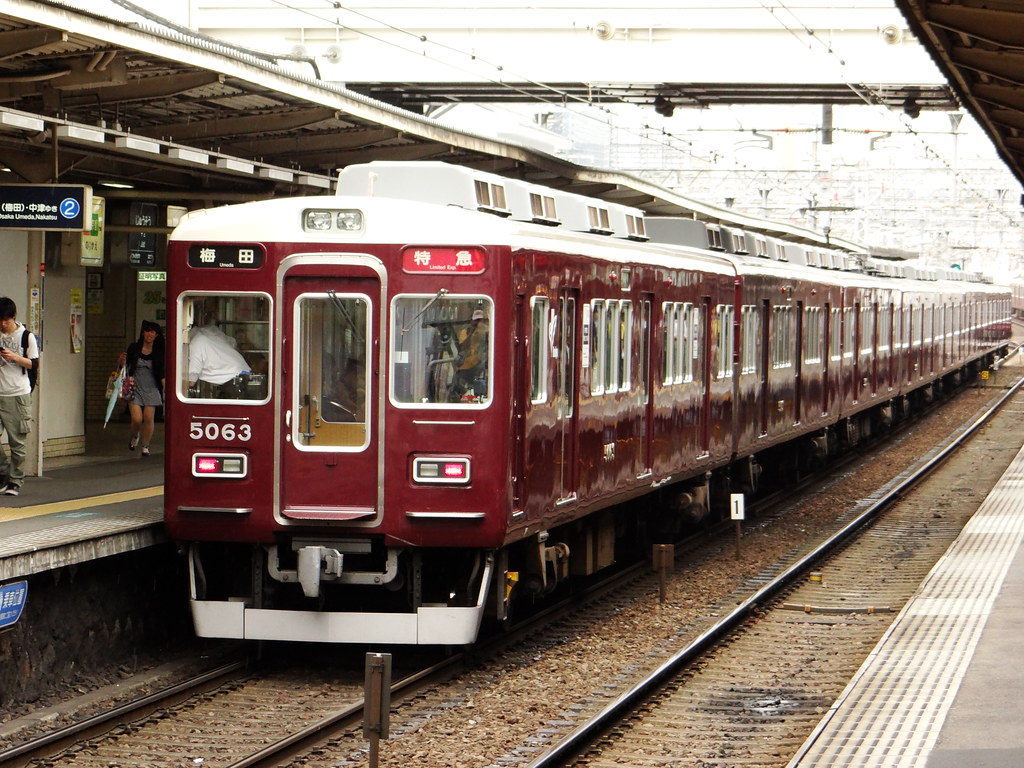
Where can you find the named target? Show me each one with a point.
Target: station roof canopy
(87, 97)
(168, 109)
(979, 46)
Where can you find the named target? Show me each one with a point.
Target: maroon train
(451, 383)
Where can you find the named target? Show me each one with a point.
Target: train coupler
(315, 563)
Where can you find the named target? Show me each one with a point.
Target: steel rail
(53, 742)
(575, 742)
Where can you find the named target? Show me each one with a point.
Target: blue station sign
(12, 601)
(46, 206)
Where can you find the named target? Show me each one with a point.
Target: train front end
(337, 443)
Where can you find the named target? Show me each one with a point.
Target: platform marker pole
(662, 557)
(737, 513)
(376, 702)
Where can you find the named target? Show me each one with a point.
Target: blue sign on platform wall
(12, 600)
(45, 206)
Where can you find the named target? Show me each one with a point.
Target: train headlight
(440, 469)
(324, 220)
(350, 221)
(230, 465)
(318, 221)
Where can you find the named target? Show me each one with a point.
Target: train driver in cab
(213, 363)
(471, 365)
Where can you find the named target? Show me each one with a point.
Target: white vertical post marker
(737, 512)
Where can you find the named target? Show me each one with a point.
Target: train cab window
(330, 371)
(223, 352)
(441, 351)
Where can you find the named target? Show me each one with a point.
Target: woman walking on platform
(144, 364)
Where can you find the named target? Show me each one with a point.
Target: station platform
(107, 502)
(942, 687)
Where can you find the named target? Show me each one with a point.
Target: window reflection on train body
(331, 385)
(242, 323)
(441, 350)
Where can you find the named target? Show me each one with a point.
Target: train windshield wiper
(441, 293)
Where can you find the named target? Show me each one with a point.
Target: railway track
(751, 691)
(256, 719)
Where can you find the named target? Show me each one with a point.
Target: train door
(646, 377)
(872, 337)
(329, 445)
(703, 373)
(521, 395)
(858, 330)
(798, 365)
(826, 355)
(566, 392)
(766, 346)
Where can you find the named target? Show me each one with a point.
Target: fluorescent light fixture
(313, 181)
(186, 155)
(277, 174)
(231, 164)
(81, 133)
(116, 184)
(20, 122)
(135, 144)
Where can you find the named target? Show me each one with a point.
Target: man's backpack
(33, 372)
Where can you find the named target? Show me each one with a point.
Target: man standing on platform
(15, 394)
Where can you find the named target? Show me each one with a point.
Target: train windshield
(441, 352)
(224, 347)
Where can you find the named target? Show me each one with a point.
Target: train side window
(782, 341)
(223, 350)
(814, 337)
(441, 353)
(849, 332)
(835, 338)
(750, 337)
(690, 333)
(598, 342)
(884, 328)
(625, 345)
(669, 341)
(611, 345)
(867, 330)
(538, 349)
(724, 314)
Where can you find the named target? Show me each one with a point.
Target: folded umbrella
(113, 391)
